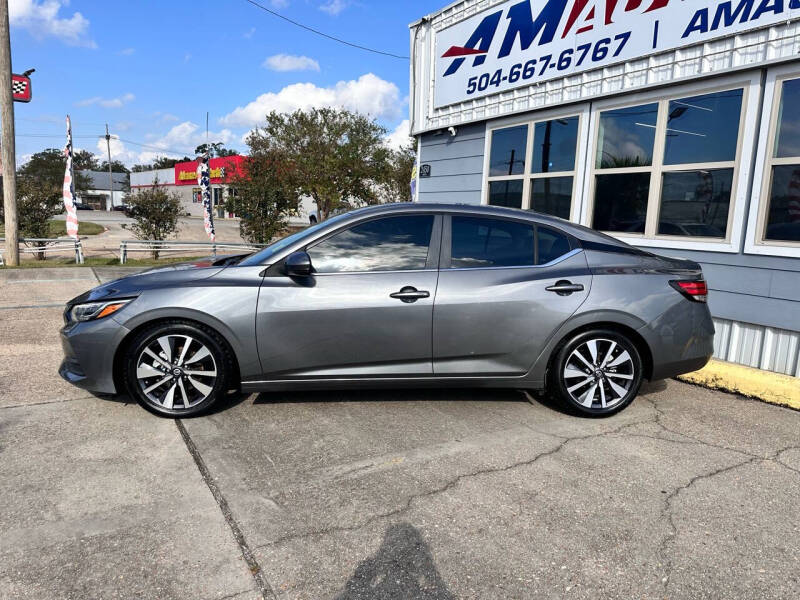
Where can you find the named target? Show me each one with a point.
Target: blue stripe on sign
(655, 35)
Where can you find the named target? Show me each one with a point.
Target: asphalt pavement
(688, 493)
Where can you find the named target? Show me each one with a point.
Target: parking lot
(688, 493)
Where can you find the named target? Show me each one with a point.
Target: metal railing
(161, 246)
(41, 246)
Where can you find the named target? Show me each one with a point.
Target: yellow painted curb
(774, 388)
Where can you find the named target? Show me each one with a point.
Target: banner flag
(204, 181)
(68, 191)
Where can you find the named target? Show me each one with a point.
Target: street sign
(21, 88)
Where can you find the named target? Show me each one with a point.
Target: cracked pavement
(688, 493)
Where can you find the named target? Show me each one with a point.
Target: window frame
(765, 161)
(750, 83)
(434, 245)
(445, 262)
(527, 177)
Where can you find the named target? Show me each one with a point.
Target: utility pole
(8, 154)
(110, 176)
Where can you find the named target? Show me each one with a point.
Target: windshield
(264, 257)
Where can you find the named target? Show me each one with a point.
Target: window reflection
(478, 242)
(787, 140)
(621, 202)
(703, 129)
(552, 196)
(389, 244)
(506, 193)
(550, 245)
(554, 144)
(626, 137)
(783, 215)
(695, 203)
(507, 156)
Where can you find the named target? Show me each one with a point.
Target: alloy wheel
(176, 371)
(599, 373)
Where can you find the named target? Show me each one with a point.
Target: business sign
(219, 169)
(515, 43)
(21, 88)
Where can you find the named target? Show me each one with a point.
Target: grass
(97, 261)
(59, 228)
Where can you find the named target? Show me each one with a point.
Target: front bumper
(89, 351)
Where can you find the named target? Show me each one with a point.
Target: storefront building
(182, 179)
(672, 125)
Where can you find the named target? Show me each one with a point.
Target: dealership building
(672, 125)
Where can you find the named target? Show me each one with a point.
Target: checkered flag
(20, 87)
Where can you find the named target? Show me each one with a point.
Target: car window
(388, 244)
(550, 245)
(479, 242)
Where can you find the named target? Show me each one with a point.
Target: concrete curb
(773, 388)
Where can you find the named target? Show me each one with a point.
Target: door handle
(565, 288)
(410, 294)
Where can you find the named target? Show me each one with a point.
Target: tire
(198, 373)
(596, 373)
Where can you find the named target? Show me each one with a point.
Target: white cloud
(107, 102)
(400, 137)
(127, 51)
(180, 140)
(369, 94)
(41, 19)
(249, 33)
(290, 62)
(279, 3)
(334, 7)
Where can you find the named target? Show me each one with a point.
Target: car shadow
(403, 567)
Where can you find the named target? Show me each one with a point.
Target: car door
(366, 309)
(505, 286)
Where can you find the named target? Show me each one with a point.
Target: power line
(149, 147)
(325, 35)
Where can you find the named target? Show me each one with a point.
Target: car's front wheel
(177, 369)
(597, 373)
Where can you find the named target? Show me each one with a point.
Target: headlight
(95, 310)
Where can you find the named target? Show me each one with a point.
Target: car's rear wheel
(177, 369)
(597, 373)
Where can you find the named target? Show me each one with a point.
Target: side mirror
(298, 264)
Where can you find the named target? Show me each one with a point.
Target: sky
(151, 69)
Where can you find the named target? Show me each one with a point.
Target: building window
(781, 222)
(668, 168)
(532, 166)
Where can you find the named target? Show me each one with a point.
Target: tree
(49, 166)
(155, 212)
(215, 149)
(335, 155)
(395, 180)
(38, 201)
(161, 162)
(116, 167)
(263, 196)
(83, 160)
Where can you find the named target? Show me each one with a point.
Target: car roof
(578, 231)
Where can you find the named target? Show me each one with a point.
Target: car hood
(175, 275)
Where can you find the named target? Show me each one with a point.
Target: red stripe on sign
(461, 51)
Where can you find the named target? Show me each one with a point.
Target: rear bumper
(89, 351)
(681, 340)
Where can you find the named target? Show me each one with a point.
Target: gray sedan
(398, 295)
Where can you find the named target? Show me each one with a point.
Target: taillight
(696, 289)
